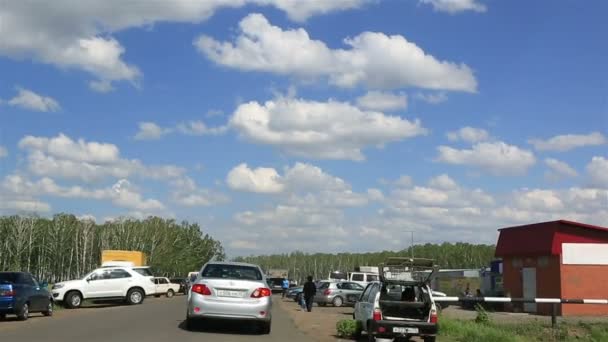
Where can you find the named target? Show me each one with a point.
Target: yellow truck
(122, 258)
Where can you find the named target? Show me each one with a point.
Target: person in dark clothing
(310, 290)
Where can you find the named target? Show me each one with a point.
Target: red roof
(546, 238)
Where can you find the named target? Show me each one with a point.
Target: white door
(529, 287)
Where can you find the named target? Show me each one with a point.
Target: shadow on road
(222, 327)
(33, 316)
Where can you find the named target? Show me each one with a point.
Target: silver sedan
(228, 290)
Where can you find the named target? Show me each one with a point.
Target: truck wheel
(170, 293)
(135, 296)
(23, 313)
(73, 300)
(49, 309)
(337, 302)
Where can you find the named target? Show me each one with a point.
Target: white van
(362, 278)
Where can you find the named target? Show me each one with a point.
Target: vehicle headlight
(57, 286)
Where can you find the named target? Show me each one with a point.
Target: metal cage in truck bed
(403, 269)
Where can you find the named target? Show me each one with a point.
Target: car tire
(265, 327)
(358, 330)
(170, 294)
(337, 302)
(73, 300)
(23, 313)
(49, 309)
(429, 338)
(2, 317)
(189, 324)
(135, 296)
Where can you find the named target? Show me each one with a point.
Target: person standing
(285, 286)
(310, 290)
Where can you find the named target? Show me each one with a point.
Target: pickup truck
(21, 294)
(164, 286)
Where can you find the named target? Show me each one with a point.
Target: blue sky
(312, 125)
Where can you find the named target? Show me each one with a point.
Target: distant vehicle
(137, 258)
(399, 306)
(21, 294)
(295, 293)
(229, 290)
(164, 286)
(183, 285)
(130, 284)
(362, 278)
(275, 284)
(336, 293)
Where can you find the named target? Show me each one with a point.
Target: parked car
(275, 284)
(103, 284)
(336, 293)
(229, 290)
(397, 307)
(183, 284)
(164, 286)
(295, 293)
(21, 294)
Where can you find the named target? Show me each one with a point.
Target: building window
(516, 263)
(543, 261)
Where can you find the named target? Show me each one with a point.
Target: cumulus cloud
(261, 179)
(200, 128)
(382, 101)
(3, 152)
(567, 142)
(320, 130)
(63, 157)
(186, 192)
(558, 170)
(77, 35)
(432, 98)
(597, 170)
(456, 6)
(372, 59)
(150, 131)
(497, 158)
(29, 100)
(469, 134)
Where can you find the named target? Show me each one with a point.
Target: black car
(183, 286)
(21, 294)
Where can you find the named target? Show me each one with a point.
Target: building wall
(548, 284)
(587, 282)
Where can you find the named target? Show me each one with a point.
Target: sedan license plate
(226, 293)
(405, 330)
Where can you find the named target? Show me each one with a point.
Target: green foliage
(319, 265)
(482, 315)
(66, 247)
(347, 328)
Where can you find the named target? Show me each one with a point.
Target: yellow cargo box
(136, 257)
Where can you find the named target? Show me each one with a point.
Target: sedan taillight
(261, 292)
(327, 292)
(201, 289)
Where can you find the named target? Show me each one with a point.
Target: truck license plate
(405, 330)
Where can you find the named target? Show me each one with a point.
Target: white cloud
(321, 130)
(432, 98)
(497, 158)
(261, 179)
(404, 181)
(186, 192)
(567, 142)
(199, 128)
(382, 101)
(214, 112)
(455, 6)
(469, 134)
(77, 35)
(597, 170)
(443, 182)
(558, 170)
(3, 152)
(27, 99)
(25, 206)
(66, 158)
(150, 131)
(373, 59)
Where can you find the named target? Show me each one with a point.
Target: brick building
(557, 259)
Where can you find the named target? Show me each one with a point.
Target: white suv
(106, 283)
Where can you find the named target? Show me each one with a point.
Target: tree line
(64, 247)
(319, 265)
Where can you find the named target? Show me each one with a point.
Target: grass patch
(469, 331)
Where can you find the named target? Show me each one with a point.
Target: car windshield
(232, 272)
(143, 271)
(8, 278)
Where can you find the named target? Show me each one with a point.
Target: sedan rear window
(8, 278)
(232, 272)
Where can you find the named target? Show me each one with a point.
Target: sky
(319, 126)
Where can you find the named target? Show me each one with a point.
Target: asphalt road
(157, 319)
